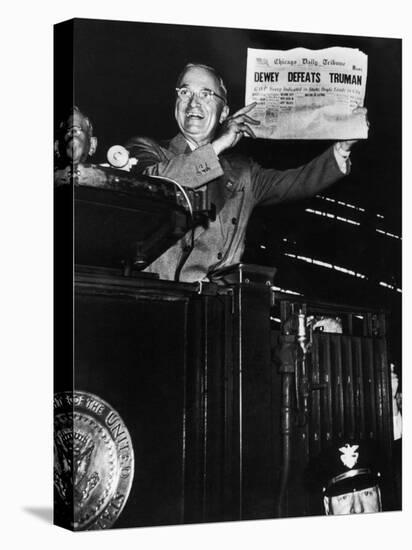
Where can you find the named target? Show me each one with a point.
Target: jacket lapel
(219, 189)
(178, 145)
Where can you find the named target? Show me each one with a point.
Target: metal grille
(354, 401)
(349, 382)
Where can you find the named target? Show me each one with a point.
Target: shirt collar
(192, 147)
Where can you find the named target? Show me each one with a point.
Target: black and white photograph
(236, 208)
(205, 257)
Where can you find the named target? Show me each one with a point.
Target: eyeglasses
(204, 95)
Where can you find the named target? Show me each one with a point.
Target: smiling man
(198, 157)
(201, 105)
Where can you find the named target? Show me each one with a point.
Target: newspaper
(307, 94)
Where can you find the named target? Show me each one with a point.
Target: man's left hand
(346, 145)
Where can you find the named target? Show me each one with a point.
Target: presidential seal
(93, 461)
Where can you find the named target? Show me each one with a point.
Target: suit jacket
(236, 185)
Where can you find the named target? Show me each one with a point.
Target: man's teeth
(194, 115)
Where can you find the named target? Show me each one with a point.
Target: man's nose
(194, 100)
(73, 131)
(357, 505)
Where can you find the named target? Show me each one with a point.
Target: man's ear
(326, 504)
(56, 148)
(93, 145)
(224, 114)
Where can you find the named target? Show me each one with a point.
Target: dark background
(125, 75)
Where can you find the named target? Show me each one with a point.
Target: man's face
(197, 119)
(77, 143)
(365, 501)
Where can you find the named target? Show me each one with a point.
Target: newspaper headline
(307, 94)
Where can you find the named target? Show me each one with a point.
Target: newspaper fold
(307, 94)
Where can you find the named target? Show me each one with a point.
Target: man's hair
(212, 70)
(75, 110)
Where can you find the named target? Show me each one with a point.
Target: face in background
(197, 119)
(76, 142)
(365, 501)
(394, 380)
